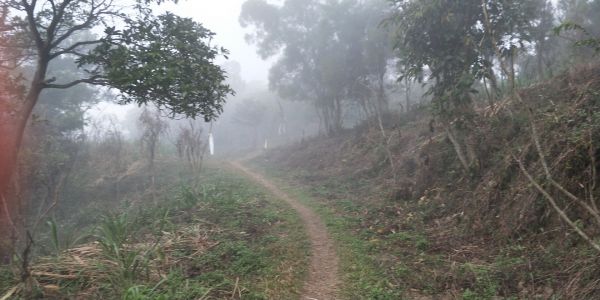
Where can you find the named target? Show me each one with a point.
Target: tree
(542, 35)
(585, 13)
(190, 146)
(153, 127)
(54, 139)
(299, 29)
(251, 114)
(539, 64)
(329, 51)
(375, 55)
(454, 45)
(166, 60)
(509, 27)
(438, 38)
(586, 41)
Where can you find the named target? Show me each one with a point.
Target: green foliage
(450, 44)
(164, 60)
(54, 235)
(362, 275)
(440, 36)
(137, 293)
(246, 247)
(588, 41)
(485, 287)
(7, 278)
(331, 51)
(236, 257)
(174, 286)
(186, 197)
(113, 232)
(189, 245)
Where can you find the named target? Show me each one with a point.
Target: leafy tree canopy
(453, 42)
(166, 61)
(326, 48)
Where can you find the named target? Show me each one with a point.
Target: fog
(299, 149)
(260, 63)
(282, 119)
(222, 18)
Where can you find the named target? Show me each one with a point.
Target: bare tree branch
(96, 80)
(96, 10)
(554, 205)
(58, 14)
(30, 11)
(540, 152)
(71, 49)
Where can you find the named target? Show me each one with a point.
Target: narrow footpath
(322, 282)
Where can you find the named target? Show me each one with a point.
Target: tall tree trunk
(494, 90)
(319, 113)
(338, 122)
(382, 101)
(12, 129)
(365, 108)
(540, 58)
(407, 93)
(330, 115)
(386, 144)
(8, 205)
(152, 170)
(513, 80)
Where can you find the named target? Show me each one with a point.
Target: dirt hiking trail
(322, 282)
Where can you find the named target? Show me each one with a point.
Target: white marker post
(211, 144)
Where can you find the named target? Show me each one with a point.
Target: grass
(362, 274)
(227, 238)
(383, 263)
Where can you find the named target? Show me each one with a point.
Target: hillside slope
(442, 232)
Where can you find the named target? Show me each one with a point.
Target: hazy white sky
(221, 17)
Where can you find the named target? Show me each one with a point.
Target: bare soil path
(322, 282)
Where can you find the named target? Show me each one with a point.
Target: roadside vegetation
(220, 238)
(427, 229)
(361, 275)
(452, 148)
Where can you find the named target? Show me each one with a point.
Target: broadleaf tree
(166, 60)
(456, 44)
(329, 51)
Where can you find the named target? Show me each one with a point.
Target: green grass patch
(224, 238)
(378, 262)
(363, 276)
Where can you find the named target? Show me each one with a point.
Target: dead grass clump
(90, 267)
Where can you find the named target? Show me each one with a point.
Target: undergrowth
(381, 259)
(225, 238)
(429, 229)
(362, 274)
